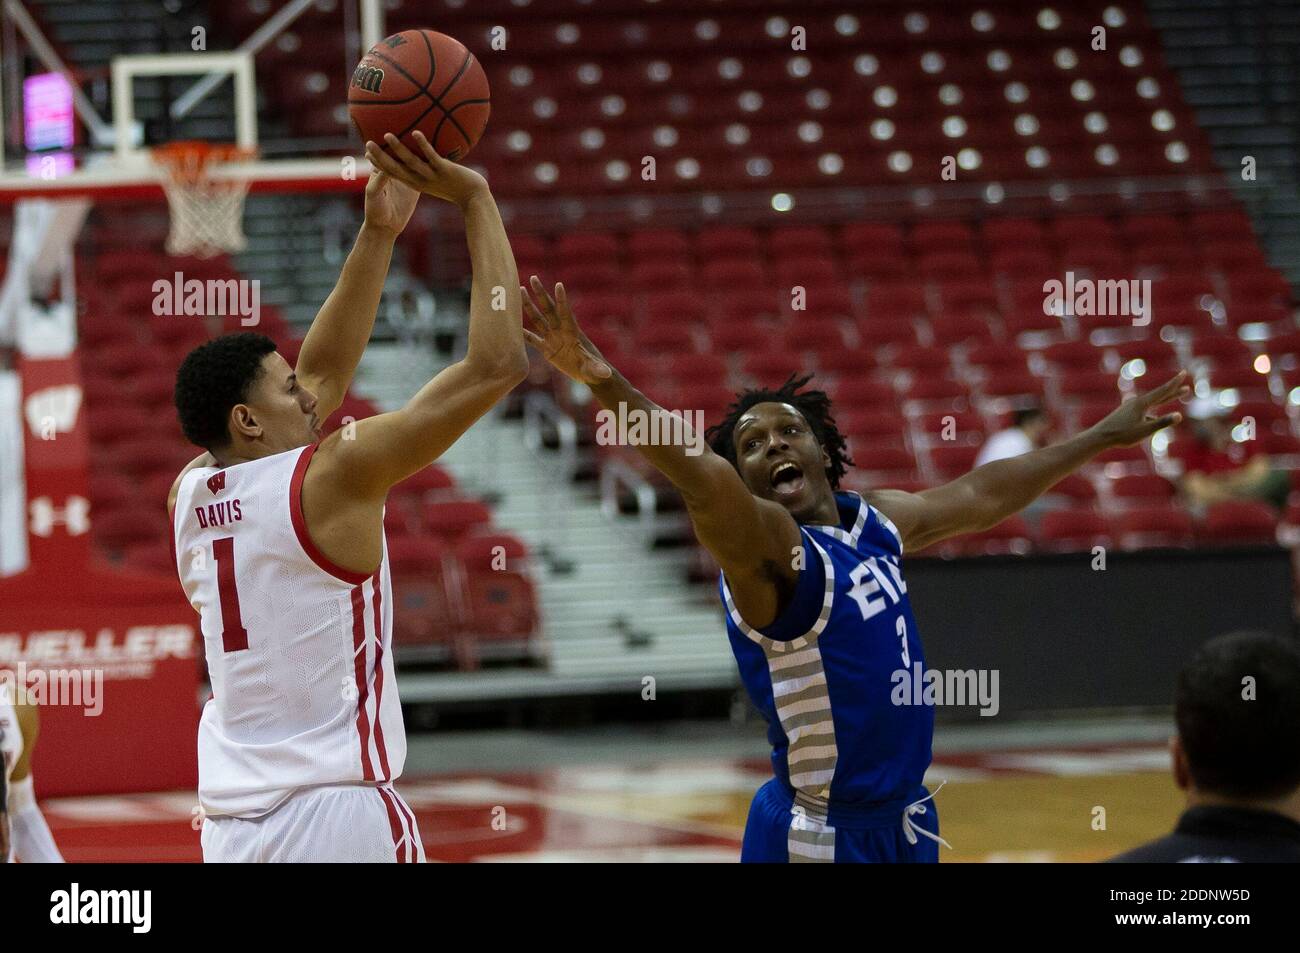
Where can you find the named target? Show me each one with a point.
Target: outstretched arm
(338, 336)
(390, 447)
(989, 494)
(753, 540)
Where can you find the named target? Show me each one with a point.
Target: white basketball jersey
(299, 650)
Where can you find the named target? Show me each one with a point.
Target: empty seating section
(725, 96)
(464, 590)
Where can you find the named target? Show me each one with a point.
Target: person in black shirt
(1236, 754)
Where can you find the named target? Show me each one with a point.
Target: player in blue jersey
(817, 609)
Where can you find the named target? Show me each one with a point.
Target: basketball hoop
(207, 212)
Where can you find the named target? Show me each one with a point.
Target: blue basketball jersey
(824, 672)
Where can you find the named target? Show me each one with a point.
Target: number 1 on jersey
(234, 637)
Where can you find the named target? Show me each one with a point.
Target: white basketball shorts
(336, 824)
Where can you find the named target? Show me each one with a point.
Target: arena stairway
(296, 246)
(613, 610)
(1235, 62)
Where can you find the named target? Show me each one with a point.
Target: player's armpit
(756, 542)
(365, 461)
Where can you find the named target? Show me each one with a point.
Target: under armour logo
(217, 482)
(75, 515)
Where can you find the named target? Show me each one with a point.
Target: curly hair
(213, 378)
(815, 405)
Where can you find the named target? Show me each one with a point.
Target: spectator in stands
(1027, 432)
(1217, 468)
(1236, 754)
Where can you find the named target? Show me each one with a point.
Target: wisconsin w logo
(368, 78)
(217, 482)
(54, 407)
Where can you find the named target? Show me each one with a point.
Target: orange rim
(188, 160)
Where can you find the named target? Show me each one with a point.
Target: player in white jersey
(280, 544)
(24, 835)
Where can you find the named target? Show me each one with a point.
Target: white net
(207, 213)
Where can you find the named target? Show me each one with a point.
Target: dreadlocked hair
(815, 405)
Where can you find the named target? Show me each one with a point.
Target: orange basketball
(419, 79)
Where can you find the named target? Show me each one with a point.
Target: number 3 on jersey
(873, 590)
(234, 637)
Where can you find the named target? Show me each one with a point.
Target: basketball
(419, 79)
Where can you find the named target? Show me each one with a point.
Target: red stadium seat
(1153, 525)
(1011, 383)
(1088, 386)
(575, 247)
(807, 333)
(1140, 489)
(937, 393)
(1013, 232)
(699, 369)
(660, 275)
(665, 338)
(864, 393)
(1001, 357)
(672, 306)
(800, 241)
(722, 243)
(882, 463)
(957, 328)
(771, 368)
(877, 332)
(1221, 349)
(1245, 379)
(657, 244)
(874, 427)
(1010, 537)
(842, 361)
(1239, 522)
(1072, 530)
(919, 358)
(951, 462)
(429, 603)
(1074, 355)
(453, 519)
(503, 616)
